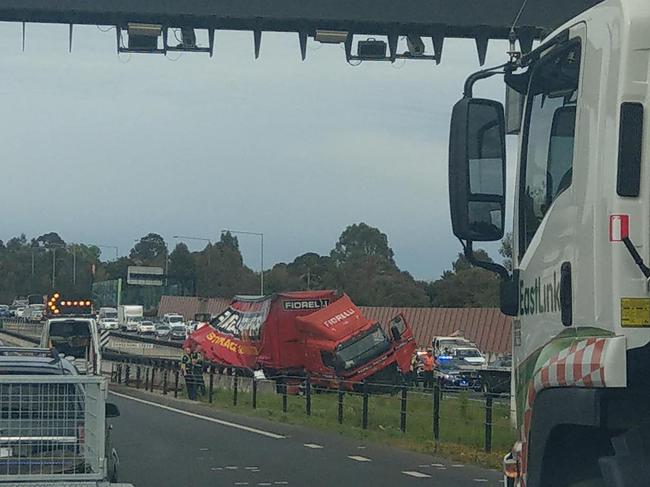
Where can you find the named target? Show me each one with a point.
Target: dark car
(455, 375)
(178, 332)
(163, 330)
(42, 424)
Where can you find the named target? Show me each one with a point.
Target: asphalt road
(160, 447)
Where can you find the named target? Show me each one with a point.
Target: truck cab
(578, 292)
(75, 338)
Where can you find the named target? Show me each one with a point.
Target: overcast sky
(104, 149)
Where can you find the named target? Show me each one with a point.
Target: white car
(146, 327)
(470, 355)
(108, 324)
(20, 312)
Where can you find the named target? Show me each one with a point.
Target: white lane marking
(281, 482)
(200, 416)
(458, 465)
(359, 458)
(361, 447)
(231, 467)
(216, 468)
(251, 468)
(241, 483)
(416, 474)
(265, 483)
(203, 449)
(424, 466)
(437, 464)
(480, 480)
(312, 445)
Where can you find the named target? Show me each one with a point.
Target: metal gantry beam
(436, 19)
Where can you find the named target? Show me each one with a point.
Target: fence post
(488, 423)
(176, 374)
(138, 372)
(119, 373)
(127, 374)
(341, 395)
(254, 393)
(284, 396)
(364, 416)
(402, 416)
(146, 379)
(211, 384)
(112, 367)
(308, 396)
(165, 374)
(436, 414)
(234, 388)
(153, 374)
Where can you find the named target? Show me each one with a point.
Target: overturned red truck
(317, 333)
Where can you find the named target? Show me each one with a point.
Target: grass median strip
(462, 421)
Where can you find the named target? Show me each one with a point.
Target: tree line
(361, 263)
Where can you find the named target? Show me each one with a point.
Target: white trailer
(579, 292)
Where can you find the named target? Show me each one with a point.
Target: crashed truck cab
(319, 334)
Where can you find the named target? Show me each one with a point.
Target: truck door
(546, 215)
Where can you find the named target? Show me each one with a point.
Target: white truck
(128, 317)
(579, 293)
(76, 339)
(34, 313)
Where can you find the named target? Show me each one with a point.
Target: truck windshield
(175, 319)
(110, 315)
(362, 349)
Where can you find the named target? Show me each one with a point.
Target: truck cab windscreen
(361, 349)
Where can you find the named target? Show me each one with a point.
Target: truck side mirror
(477, 169)
(112, 410)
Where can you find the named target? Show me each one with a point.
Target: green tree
(150, 250)
(182, 266)
(466, 286)
(505, 250)
(359, 241)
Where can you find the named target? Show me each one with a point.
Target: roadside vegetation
(462, 420)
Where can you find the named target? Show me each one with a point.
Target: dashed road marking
(281, 482)
(480, 480)
(424, 466)
(437, 464)
(458, 465)
(265, 483)
(251, 468)
(413, 473)
(359, 458)
(312, 445)
(200, 416)
(216, 468)
(231, 467)
(241, 483)
(203, 449)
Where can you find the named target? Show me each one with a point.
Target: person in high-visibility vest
(429, 363)
(189, 362)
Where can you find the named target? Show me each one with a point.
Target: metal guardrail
(352, 399)
(52, 428)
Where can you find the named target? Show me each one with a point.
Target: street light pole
(261, 235)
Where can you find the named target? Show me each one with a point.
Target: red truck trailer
(317, 333)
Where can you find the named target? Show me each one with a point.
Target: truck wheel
(571, 457)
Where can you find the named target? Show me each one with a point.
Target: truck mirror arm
(489, 266)
(638, 260)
